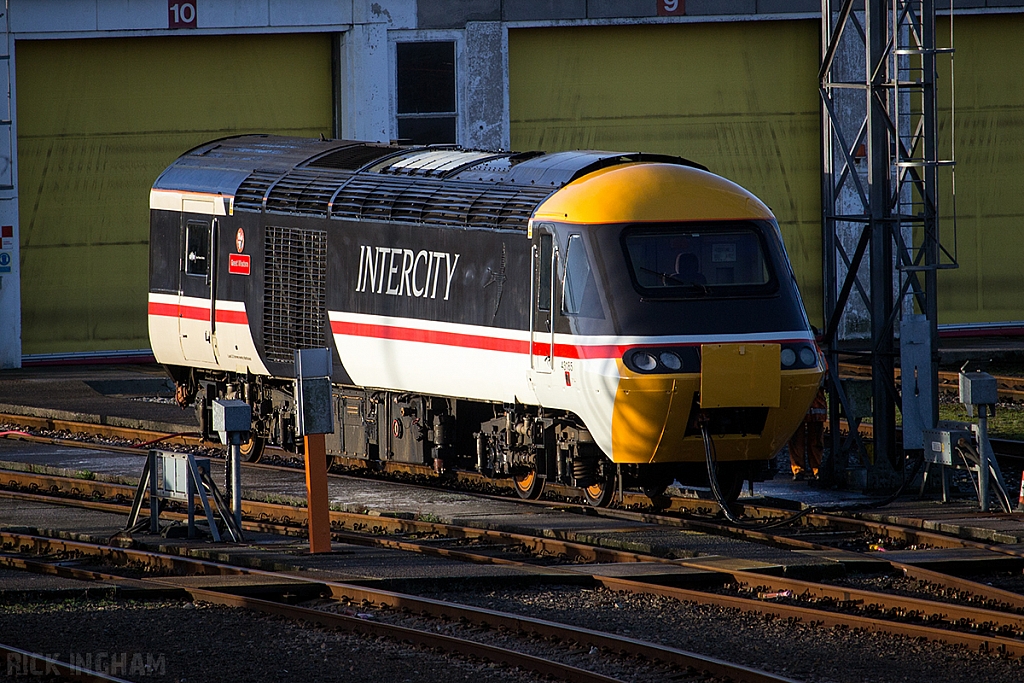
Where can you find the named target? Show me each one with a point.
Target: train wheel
(529, 485)
(600, 493)
(252, 450)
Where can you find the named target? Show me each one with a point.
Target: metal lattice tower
(880, 202)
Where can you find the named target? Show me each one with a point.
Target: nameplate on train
(238, 264)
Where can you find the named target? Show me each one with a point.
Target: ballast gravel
(179, 642)
(794, 649)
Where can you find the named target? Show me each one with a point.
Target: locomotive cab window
(197, 248)
(579, 290)
(708, 260)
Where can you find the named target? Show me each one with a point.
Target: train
(597, 319)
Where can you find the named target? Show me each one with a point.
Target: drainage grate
(295, 291)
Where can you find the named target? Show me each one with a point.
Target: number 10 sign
(181, 13)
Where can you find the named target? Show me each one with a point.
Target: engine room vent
(387, 198)
(353, 158)
(303, 192)
(250, 193)
(295, 291)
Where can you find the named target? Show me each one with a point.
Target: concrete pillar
(484, 84)
(364, 80)
(10, 270)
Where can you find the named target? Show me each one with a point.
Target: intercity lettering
(403, 272)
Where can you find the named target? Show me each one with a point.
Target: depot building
(104, 94)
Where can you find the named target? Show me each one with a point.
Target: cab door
(545, 376)
(197, 286)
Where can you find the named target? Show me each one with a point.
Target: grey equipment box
(939, 443)
(231, 415)
(978, 389)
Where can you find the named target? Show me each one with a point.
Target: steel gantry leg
(880, 203)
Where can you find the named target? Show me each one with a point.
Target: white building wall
(10, 280)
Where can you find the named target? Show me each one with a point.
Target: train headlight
(808, 357)
(644, 361)
(788, 357)
(670, 360)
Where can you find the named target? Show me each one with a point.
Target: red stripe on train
(473, 341)
(197, 313)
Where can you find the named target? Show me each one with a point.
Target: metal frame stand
(197, 481)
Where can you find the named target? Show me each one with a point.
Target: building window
(426, 92)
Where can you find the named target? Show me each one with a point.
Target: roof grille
(303, 192)
(389, 198)
(372, 196)
(249, 196)
(354, 157)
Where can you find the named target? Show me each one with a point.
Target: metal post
(314, 407)
(983, 463)
(154, 501)
(190, 492)
(232, 420)
(236, 478)
(318, 509)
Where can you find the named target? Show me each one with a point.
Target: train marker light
(644, 361)
(671, 360)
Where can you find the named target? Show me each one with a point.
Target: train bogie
(570, 317)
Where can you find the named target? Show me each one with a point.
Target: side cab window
(579, 289)
(197, 248)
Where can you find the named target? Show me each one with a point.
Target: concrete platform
(135, 396)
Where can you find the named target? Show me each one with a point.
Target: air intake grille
(250, 193)
(303, 192)
(387, 198)
(295, 291)
(372, 196)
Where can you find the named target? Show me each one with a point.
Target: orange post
(317, 505)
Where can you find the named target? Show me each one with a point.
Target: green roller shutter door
(740, 98)
(98, 120)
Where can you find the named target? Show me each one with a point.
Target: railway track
(1010, 451)
(978, 628)
(347, 593)
(1011, 389)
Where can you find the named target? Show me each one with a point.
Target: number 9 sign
(671, 8)
(182, 13)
